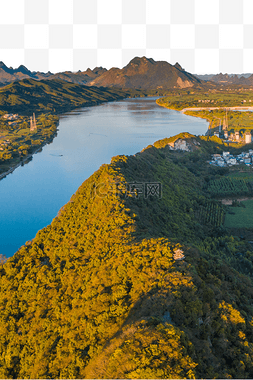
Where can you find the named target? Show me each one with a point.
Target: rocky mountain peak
(140, 60)
(178, 66)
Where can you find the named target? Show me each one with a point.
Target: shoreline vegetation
(25, 159)
(19, 142)
(46, 98)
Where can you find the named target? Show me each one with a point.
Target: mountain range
(228, 79)
(139, 73)
(8, 75)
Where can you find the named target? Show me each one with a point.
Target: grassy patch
(240, 217)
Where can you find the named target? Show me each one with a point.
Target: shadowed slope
(53, 96)
(99, 294)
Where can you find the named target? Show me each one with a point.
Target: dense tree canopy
(99, 294)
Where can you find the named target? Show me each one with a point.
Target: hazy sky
(204, 36)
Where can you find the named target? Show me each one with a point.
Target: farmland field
(228, 186)
(242, 217)
(211, 213)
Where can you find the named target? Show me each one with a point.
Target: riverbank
(217, 117)
(196, 109)
(185, 113)
(25, 159)
(20, 150)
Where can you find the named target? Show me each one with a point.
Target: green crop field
(228, 186)
(241, 217)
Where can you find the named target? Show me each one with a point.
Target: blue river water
(32, 195)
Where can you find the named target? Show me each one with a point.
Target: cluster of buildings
(205, 101)
(4, 144)
(235, 137)
(227, 159)
(10, 116)
(13, 120)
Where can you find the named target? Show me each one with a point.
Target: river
(32, 195)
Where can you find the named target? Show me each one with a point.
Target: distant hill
(144, 73)
(226, 79)
(9, 75)
(232, 79)
(133, 279)
(80, 77)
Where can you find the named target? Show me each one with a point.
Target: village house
(10, 116)
(227, 159)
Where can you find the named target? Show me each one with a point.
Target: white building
(232, 161)
(248, 138)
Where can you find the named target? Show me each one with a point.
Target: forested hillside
(56, 95)
(100, 293)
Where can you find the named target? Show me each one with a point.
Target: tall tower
(219, 125)
(33, 125)
(225, 122)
